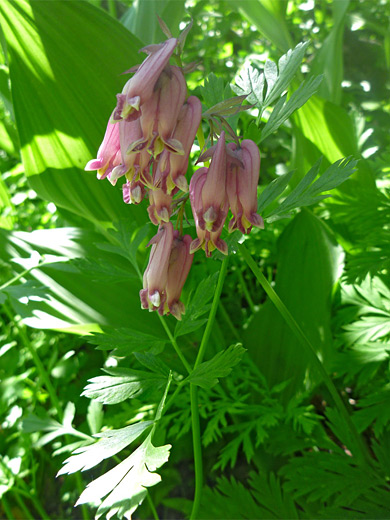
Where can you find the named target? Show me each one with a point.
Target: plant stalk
(196, 436)
(306, 343)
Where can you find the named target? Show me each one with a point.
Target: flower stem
(196, 437)
(20, 275)
(175, 345)
(306, 343)
(151, 505)
(37, 362)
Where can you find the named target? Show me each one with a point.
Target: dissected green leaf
(197, 306)
(125, 341)
(277, 79)
(206, 374)
(123, 488)
(309, 191)
(122, 384)
(109, 444)
(284, 108)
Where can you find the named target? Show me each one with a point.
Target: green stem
(213, 311)
(49, 387)
(20, 275)
(171, 400)
(229, 322)
(196, 436)
(151, 505)
(305, 342)
(23, 507)
(175, 345)
(246, 290)
(112, 8)
(37, 361)
(7, 509)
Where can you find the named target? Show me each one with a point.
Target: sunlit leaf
(62, 104)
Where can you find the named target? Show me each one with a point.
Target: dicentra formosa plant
(148, 141)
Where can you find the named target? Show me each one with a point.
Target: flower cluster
(148, 142)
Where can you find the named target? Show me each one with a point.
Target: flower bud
(128, 133)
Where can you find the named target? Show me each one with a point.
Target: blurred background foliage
(272, 439)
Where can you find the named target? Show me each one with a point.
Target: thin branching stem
(307, 345)
(196, 437)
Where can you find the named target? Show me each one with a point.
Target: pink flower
(128, 132)
(109, 153)
(153, 294)
(179, 266)
(209, 201)
(139, 89)
(169, 264)
(160, 114)
(171, 168)
(241, 187)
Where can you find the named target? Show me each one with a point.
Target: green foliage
(206, 374)
(273, 439)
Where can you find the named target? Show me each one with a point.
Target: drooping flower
(160, 114)
(179, 266)
(153, 294)
(109, 153)
(241, 186)
(171, 168)
(209, 201)
(169, 264)
(139, 89)
(128, 133)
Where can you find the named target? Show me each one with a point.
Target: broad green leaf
(141, 19)
(329, 59)
(123, 488)
(95, 416)
(62, 104)
(269, 18)
(75, 303)
(109, 444)
(206, 374)
(6, 221)
(328, 127)
(122, 384)
(309, 261)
